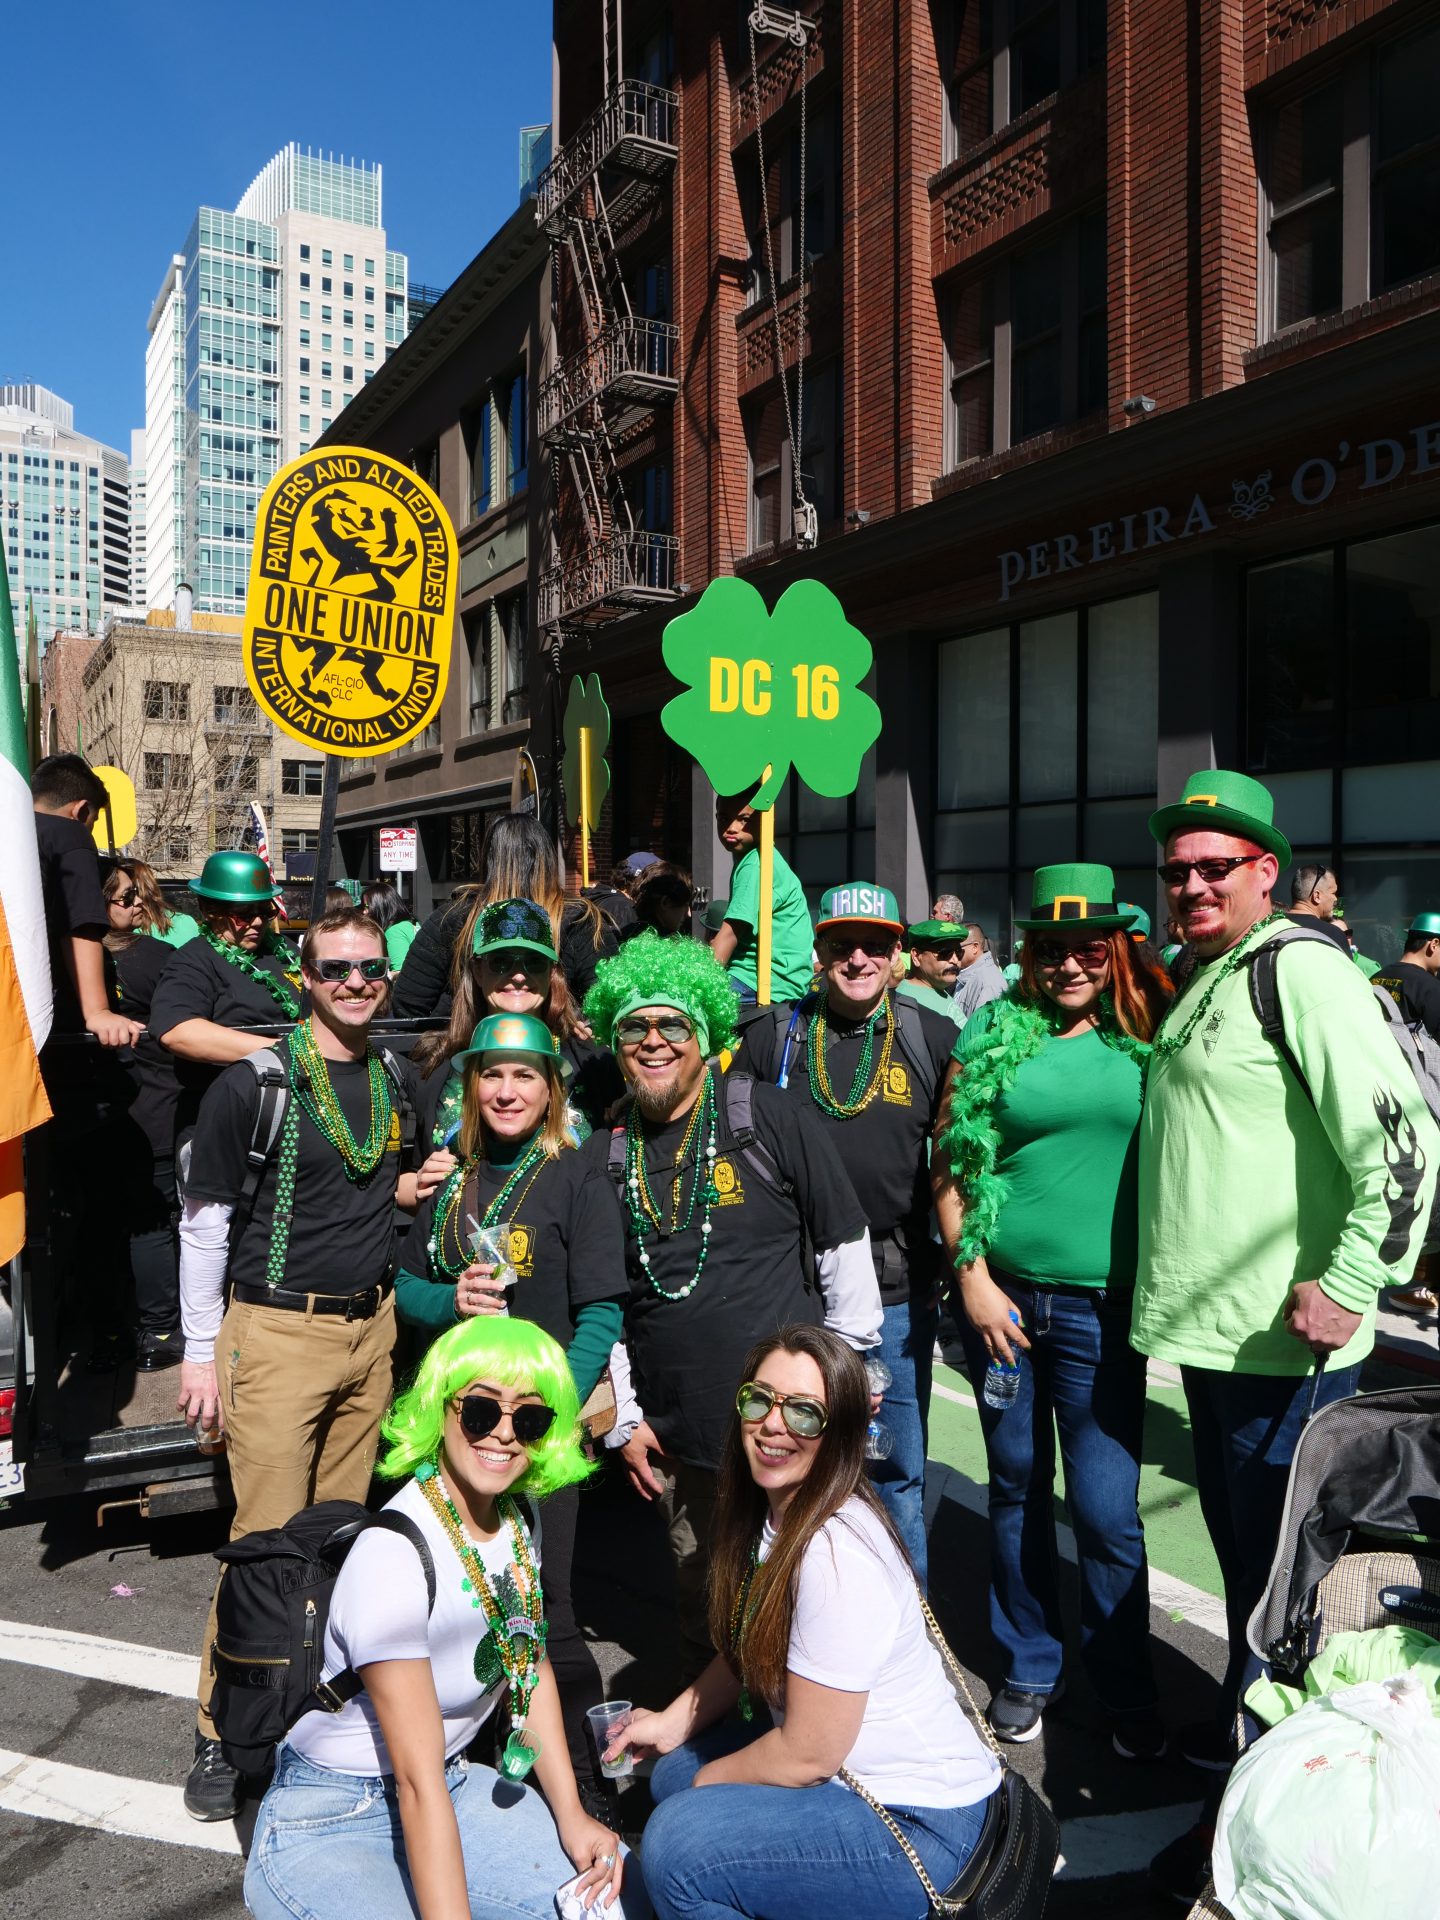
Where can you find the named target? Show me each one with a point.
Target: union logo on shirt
(728, 1190)
(522, 1249)
(897, 1087)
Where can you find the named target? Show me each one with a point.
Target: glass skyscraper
(270, 320)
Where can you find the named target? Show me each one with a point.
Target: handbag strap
(939, 1903)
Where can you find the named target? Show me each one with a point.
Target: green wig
(512, 1353)
(650, 971)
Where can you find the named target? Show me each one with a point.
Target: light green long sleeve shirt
(1247, 1186)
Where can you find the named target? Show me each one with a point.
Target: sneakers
(156, 1350)
(1138, 1736)
(1206, 1746)
(1015, 1716)
(1181, 1871)
(212, 1786)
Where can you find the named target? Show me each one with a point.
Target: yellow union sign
(351, 603)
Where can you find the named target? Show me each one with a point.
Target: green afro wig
(650, 971)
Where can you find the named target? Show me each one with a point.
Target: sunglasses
(481, 1414)
(673, 1028)
(1053, 953)
(1176, 872)
(951, 950)
(125, 899)
(877, 947)
(517, 960)
(336, 972)
(805, 1418)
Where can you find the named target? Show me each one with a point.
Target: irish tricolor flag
(24, 954)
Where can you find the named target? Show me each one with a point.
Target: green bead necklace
(1167, 1045)
(741, 1614)
(447, 1205)
(865, 1085)
(277, 989)
(514, 1643)
(316, 1094)
(640, 1202)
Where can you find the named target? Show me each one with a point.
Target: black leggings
(576, 1673)
(153, 1211)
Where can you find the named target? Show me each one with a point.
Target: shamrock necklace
(447, 1205)
(235, 957)
(741, 1614)
(514, 1643)
(640, 1202)
(1166, 1045)
(865, 1085)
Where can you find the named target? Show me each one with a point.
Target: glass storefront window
(1392, 607)
(1289, 631)
(1391, 803)
(1122, 696)
(1302, 806)
(974, 768)
(1048, 653)
(1382, 891)
(1044, 835)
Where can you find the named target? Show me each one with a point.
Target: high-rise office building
(137, 516)
(268, 322)
(64, 514)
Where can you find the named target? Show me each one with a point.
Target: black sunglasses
(335, 972)
(517, 960)
(1053, 953)
(480, 1414)
(805, 1418)
(125, 899)
(1176, 872)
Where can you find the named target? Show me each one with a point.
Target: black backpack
(271, 1610)
(737, 1133)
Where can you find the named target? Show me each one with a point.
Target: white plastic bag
(1335, 1813)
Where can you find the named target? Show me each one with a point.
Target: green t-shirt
(927, 996)
(1248, 1186)
(183, 927)
(792, 940)
(1068, 1149)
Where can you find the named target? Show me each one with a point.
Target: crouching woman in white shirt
(814, 1600)
(375, 1809)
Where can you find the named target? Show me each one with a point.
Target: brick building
(1107, 335)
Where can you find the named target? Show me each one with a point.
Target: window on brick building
(1350, 177)
(1026, 343)
(480, 650)
(426, 462)
(305, 777)
(821, 198)
(166, 700)
(999, 58)
(162, 771)
(818, 426)
(513, 621)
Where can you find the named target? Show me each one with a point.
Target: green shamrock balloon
(585, 707)
(777, 689)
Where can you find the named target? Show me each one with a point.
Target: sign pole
(584, 806)
(329, 801)
(767, 896)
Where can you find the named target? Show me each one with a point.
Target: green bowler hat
(1216, 801)
(514, 923)
(1426, 923)
(237, 879)
(511, 1034)
(859, 900)
(1139, 919)
(1077, 894)
(936, 933)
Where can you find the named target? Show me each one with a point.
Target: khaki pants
(302, 1395)
(688, 1504)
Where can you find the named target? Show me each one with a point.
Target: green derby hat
(515, 1036)
(1427, 923)
(235, 879)
(1139, 919)
(859, 900)
(514, 923)
(936, 933)
(1077, 894)
(1217, 801)
(715, 915)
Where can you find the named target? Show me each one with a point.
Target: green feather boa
(970, 1143)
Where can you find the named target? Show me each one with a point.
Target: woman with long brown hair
(826, 1663)
(1035, 1185)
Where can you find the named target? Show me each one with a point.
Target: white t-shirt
(377, 1612)
(858, 1628)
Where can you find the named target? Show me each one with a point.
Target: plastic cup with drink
(607, 1724)
(491, 1247)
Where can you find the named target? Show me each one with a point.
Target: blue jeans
(1082, 1376)
(1244, 1428)
(907, 1346)
(329, 1846)
(789, 1853)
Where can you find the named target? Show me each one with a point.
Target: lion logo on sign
(520, 1239)
(724, 1177)
(897, 1084)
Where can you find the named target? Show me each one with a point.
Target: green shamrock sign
(771, 690)
(585, 709)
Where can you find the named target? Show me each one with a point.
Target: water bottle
(879, 1440)
(1002, 1383)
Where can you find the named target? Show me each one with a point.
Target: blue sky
(123, 116)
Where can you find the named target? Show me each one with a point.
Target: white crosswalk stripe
(106, 1802)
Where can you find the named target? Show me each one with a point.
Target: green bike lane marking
(1175, 1536)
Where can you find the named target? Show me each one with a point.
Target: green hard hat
(512, 1033)
(238, 879)
(1428, 923)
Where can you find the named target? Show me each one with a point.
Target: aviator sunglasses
(480, 1414)
(673, 1028)
(805, 1418)
(336, 972)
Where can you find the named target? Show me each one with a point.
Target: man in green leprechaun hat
(1286, 1176)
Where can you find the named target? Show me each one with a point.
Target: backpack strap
(404, 1105)
(329, 1696)
(615, 1159)
(267, 1121)
(1262, 965)
(910, 1032)
(739, 1108)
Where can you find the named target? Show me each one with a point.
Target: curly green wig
(649, 971)
(512, 1353)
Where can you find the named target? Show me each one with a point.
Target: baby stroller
(1360, 1539)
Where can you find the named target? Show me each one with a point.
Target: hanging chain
(794, 417)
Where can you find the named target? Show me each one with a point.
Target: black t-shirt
(423, 985)
(199, 985)
(884, 1147)
(74, 903)
(758, 1276)
(132, 974)
(1416, 992)
(341, 1230)
(573, 1250)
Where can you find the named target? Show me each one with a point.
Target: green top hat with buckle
(1077, 894)
(1427, 923)
(235, 879)
(859, 900)
(513, 1036)
(1217, 801)
(936, 933)
(514, 923)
